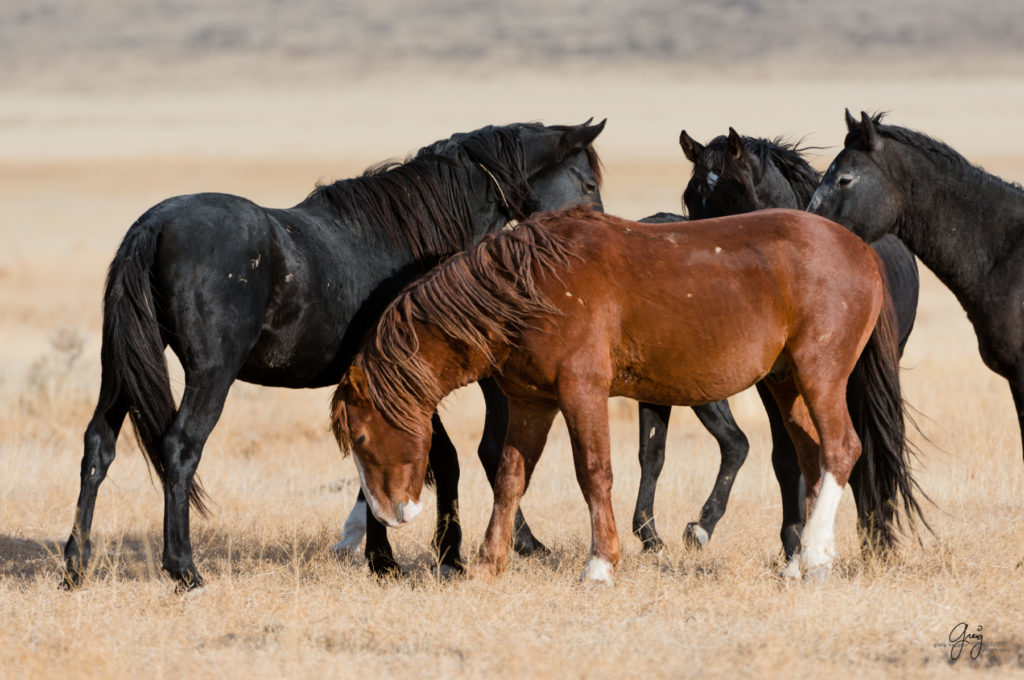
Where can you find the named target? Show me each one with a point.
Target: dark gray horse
(964, 223)
(283, 298)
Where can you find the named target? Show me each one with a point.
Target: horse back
(693, 312)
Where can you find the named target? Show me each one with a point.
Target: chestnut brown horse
(572, 307)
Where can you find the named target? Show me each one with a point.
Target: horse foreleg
(787, 472)
(528, 430)
(100, 443)
(586, 417)
(489, 451)
(444, 462)
(653, 433)
(733, 445)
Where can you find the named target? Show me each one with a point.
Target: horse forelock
(482, 298)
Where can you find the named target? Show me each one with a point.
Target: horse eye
(359, 440)
(589, 187)
(845, 180)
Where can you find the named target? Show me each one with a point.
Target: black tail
(882, 478)
(132, 356)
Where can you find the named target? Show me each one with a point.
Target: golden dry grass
(278, 603)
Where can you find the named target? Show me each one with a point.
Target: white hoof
(598, 571)
(792, 569)
(818, 574)
(696, 536)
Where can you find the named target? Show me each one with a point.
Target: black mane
(423, 202)
(923, 142)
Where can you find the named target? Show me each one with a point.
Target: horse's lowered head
(391, 460)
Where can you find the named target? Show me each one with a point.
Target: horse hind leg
(181, 449)
(787, 471)
(100, 449)
(651, 452)
(733, 445)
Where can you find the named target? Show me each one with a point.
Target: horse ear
(868, 131)
(582, 136)
(357, 381)
(851, 122)
(735, 144)
(691, 148)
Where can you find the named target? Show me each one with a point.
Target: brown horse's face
(391, 462)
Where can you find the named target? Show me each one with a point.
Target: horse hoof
(448, 572)
(481, 571)
(385, 568)
(818, 574)
(653, 545)
(71, 580)
(696, 536)
(598, 571)
(346, 547)
(791, 572)
(189, 586)
(528, 545)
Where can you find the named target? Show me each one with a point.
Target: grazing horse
(733, 175)
(576, 306)
(964, 223)
(282, 298)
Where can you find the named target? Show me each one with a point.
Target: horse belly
(689, 375)
(701, 339)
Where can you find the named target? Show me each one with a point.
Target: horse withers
(573, 307)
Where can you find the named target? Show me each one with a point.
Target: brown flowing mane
(483, 298)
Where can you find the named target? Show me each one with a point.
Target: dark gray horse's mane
(923, 142)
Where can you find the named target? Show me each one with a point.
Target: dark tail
(881, 479)
(132, 356)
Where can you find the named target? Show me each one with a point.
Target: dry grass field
(83, 152)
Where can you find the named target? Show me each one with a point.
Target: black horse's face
(857, 191)
(574, 181)
(723, 180)
(562, 167)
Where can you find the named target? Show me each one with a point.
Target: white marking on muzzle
(408, 511)
(374, 505)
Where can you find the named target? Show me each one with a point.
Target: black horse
(964, 223)
(283, 298)
(732, 175)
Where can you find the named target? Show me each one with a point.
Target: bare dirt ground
(106, 110)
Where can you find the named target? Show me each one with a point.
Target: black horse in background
(967, 225)
(283, 298)
(732, 175)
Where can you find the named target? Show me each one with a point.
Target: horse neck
(453, 363)
(775, 191)
(960, 239)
